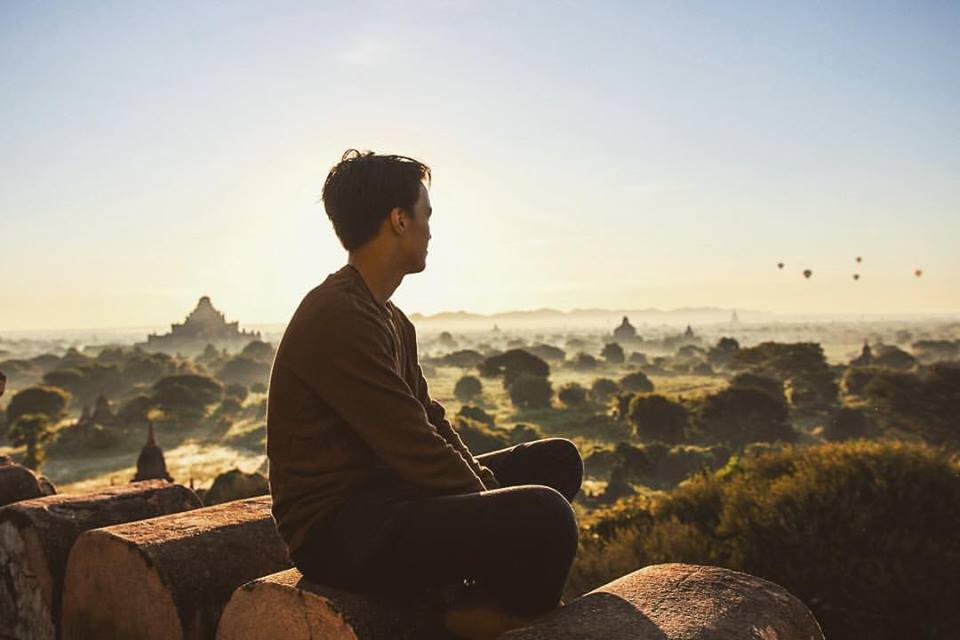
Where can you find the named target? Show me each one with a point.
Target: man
(372, 487)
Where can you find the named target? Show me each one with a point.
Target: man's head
(380, 203)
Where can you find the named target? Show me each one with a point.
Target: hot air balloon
(779, 265)
(859, 259)
(856, 276)
(918, 272)
(807, 273)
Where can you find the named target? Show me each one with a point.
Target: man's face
(417, 238)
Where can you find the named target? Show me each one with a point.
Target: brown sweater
(347, 400)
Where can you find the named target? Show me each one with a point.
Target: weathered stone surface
(169, 577)
(36, 537)
(17, 482)
(286, 605)
(679, 602)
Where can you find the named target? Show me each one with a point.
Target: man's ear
(398, 219)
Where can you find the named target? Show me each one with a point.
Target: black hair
(362, 189)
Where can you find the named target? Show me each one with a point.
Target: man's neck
(379, 277)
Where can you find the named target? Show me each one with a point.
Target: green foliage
(602, 389)
(31, 430)
(243, 370)
(926, 406)
(146, 368)
(856, 379)
(464, 358)
(86, 382)
(636, 382)
(39, 400)
(258, 387)
(740, 415)
(467, 388)
(772, 386)
(476, 413)
(237, 391)
(259, 350)
(659, 419)
(572, 394)
(802, 365)
(862, 532)
(513, 364)
(548, 352)
(584, 362)
(613, 353)
(893, 357)
(530, 391)
(848, 423)
(136, 409)
(723, 352)
(187, 396)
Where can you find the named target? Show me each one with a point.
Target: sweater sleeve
(437, 415)
(343, 353)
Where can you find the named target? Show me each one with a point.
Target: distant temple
(205, 325)
(625, 331)
(865, 358)
(151, 464)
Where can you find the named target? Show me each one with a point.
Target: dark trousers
(518, 542)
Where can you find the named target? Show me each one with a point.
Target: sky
(584, 155)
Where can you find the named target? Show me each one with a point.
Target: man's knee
(570, 460)
(548, 508)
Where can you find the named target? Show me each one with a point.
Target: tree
(39, 400)
(572, 394)
(237, 391)
(637, 382)
(584, 362)
(723, 352)
(602, 389)
(512, 364)
(548, 352)
(767, 384)
(848, 424)
(659, 419)
(529, 391)
(464, 358)
(259, 350)
(927, 407)
(187, 396)
(31, 430)
(740, 415)
(613, 353)
(243, 370)
(467, 388)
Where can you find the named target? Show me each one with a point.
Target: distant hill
(587, 317)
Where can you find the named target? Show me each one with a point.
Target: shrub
(739, 415)
(530, 391)
(187, 396)
(613, 353)
(512, 364)
(237, 391)
(602, 389)
(657, 418)
(40, 400)
(637, 382)
(476, 413)
(467, 388)
(572, 394)
(584, 362)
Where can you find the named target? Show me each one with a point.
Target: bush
(467, 388)
(613, 353)
(530, 392)
(187, 396)
(512, 364)
(237, 391)
(636, 382)
(572, 394)
(864, 533)
(926, 406)
(464, 358)
(40, 400)
(243, 370)
(476, 413)
(848, 424)
(480, 437)
(767, 384)
(584, 362)
(656, 418)
(235, 485)
(258, 387)
(602, 389)
(740, 415)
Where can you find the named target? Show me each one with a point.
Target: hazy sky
(584, 154)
